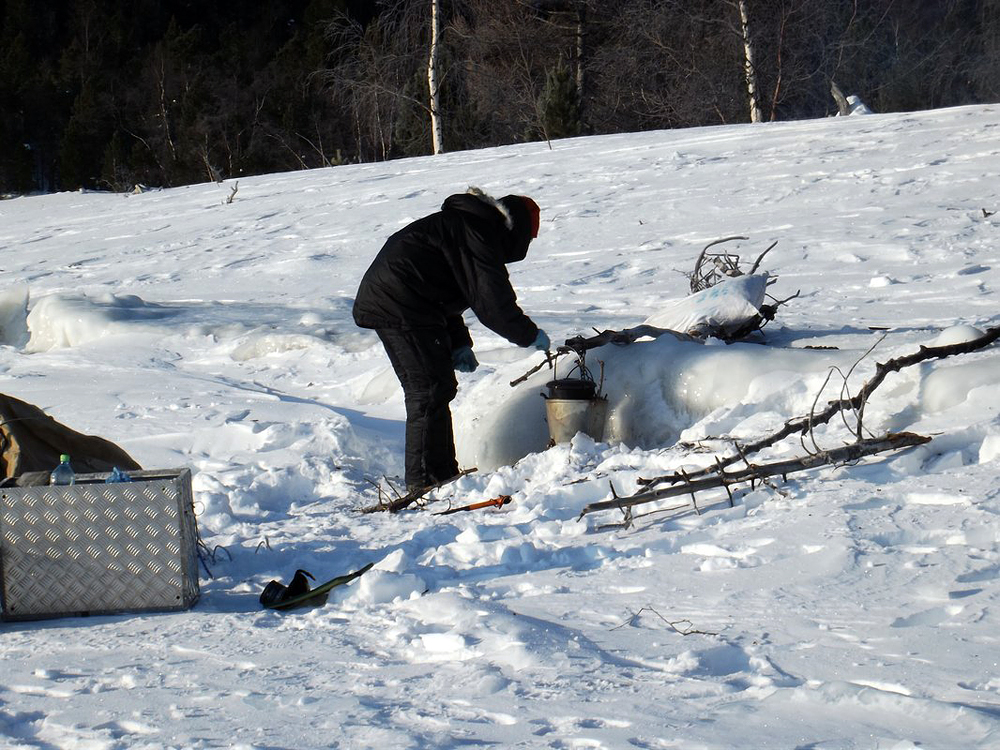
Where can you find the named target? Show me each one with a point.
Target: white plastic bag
(717, 311)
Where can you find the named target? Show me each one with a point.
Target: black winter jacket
(428, 273)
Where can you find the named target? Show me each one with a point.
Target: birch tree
(437, 140)
(748, 63)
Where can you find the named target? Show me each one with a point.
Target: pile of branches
(711, 268)
(716, 475)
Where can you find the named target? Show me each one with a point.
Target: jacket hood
(520, 226)
(508, 211)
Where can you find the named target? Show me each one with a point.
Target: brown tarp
(31, 441)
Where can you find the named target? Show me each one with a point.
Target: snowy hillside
(855, 606)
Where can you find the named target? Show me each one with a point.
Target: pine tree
(559, 104)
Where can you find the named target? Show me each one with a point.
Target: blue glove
(541, 341)
(464, 360)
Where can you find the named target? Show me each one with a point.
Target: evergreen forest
(110, 94)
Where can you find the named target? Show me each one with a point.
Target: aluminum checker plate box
(94, 548)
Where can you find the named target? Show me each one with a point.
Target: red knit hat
(533, 214)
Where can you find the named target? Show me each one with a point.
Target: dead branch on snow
(710, 477)
(856, 403)
(755, 472)
(402, 502)
(578, 344)
(711, 268)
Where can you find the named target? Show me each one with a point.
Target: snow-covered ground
(854, 606)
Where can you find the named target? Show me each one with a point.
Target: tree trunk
(581, 28)
(437, 140)
(838, 96)
(164, 115)
(748, 64)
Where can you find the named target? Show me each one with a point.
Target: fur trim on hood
(508, 220)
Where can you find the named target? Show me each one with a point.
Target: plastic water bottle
(63, 473)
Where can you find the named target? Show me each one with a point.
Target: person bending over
(413, 295)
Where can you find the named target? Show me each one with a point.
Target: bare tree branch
(579, 344)
(804, 424)
(720, 478)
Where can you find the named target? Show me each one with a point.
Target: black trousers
(422, 362)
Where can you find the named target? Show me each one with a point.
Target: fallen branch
(803, 425)
(724, 265)
(383, 503)
(549, 361)
(721, 478)
(756, 263)
(405, 501)
(688, 630)
(578, 344)
(711, 268)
